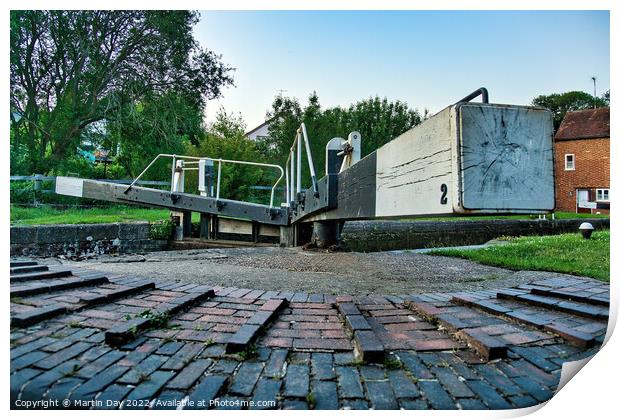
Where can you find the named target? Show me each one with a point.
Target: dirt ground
(293, 269)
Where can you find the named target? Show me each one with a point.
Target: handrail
(220, 162)
(293, 182)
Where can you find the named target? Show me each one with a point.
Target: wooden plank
(73, 187)
(506, 157)
(268, 230)
(240, 227)
(469, 158)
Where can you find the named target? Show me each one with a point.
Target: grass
(567, 253)
(46, 215)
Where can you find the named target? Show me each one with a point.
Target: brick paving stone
(273, 305)
(487, 346)
(349, 382)
(471, 404)
(136, 356)
(354, 404)
(207, 390)
(344, 358)
(357, 322)
(36, 389)
(260, 317)
(294, 405)
(535, 390)
(147, 389)
(18, 380)
(242, 338)
(325, 395)
(527, 369)
(537, 356)
(369, 347)
(114, 393)
(278, 342)
(417, 404)
(488, 395)
(348, 308)
(322, 343)
(266, 390)
(245, 379)
(436, 395)
(496, 378)
(167, 400)
(322, 366)
(522, 401)
(451, 383)
(183, 356)
(143, 369)
(299, 297)
(62, 389)
(276, 364)
(372, 373)
(31, 346)
(27, 360)
(413, 364)
(381, 395)
(403, 386)
(190, 374)
(63, 355)
(440, 375)
(226, 366)
(296, 381)
(168, 349)
(94, 353)
(96, 366)
(98, 382)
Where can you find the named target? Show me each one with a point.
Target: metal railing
(220, 162)
(293, 166)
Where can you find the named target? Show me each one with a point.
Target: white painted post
(298, 161)
(293, 174)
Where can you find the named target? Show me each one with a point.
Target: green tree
(378, 121)
(225, 139)
(70, 69)
(561, 103)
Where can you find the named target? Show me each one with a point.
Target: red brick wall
(591, 170)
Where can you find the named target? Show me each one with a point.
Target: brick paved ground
(93, 338)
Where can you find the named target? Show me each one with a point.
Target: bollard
(586, 230)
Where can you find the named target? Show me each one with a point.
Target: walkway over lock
(469, 158)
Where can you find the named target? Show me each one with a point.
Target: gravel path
(293, 269)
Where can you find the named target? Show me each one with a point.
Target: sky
(428, 59)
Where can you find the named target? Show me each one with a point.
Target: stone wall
(369, 236)
(363, 236)
(83, 240)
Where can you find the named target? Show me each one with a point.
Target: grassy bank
(566, 253)
(46, 215)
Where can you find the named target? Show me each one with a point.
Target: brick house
(582, 162)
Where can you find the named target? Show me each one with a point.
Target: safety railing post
(293, 175)
(219, 178)
(298, 161)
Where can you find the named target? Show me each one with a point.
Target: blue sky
(428, 59)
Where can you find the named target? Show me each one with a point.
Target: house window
(602, 194)
(569, 162)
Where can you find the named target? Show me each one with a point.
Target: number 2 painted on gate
(444, 194)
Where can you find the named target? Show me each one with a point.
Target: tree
(378, 121)
(561, 103)
(70, 69)
(225, 139)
